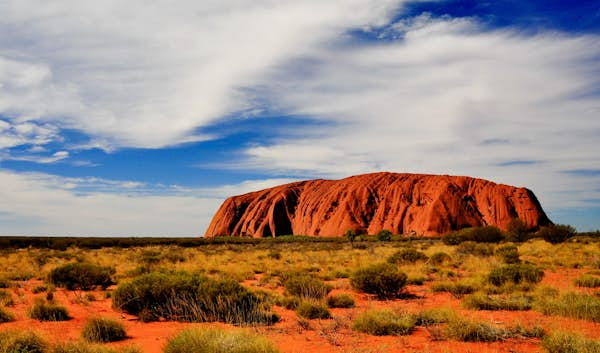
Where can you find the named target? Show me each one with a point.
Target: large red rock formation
(402, 203)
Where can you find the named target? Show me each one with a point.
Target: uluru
(414, 204)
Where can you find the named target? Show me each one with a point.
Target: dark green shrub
(341, 300)
(439, 258)
(306, 287)
(515, 274)
(188, 297)
(309, 309)
(384, 235)
(350, 235)
(509, 254)
(587, 281)
(407, 256)
(48, 312)
(81, 275)
(480, 301)
(556, 233)
(383, 280)
(485, 234)
(22, 342)
(103, 330)
(384, 323)
(563, 342)
(5, 315)
(198, 340)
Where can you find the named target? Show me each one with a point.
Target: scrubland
(472, 291)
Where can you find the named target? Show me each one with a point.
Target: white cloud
(148, 75)
(38, 204)
(437, 101)
(43, 204)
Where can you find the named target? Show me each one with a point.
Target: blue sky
(136, 119)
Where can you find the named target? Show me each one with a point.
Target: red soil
(332, 335)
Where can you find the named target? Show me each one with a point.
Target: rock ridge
(403, 203)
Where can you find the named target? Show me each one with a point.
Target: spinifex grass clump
(588, 281)
(458, 289)
(383, 280)
(384, 322)
(85, 347)
(103, 330)
(311, 309)
(5, 315)
(341, 300)
(197, 340)
(480, 301)
(81, 275)
(563, 342)
(48, 311)
(22, 342)
(575, 305)
(306, 287)
(466, 330)
(515, 273)
(183, 296)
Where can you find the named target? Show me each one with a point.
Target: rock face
(402, 203)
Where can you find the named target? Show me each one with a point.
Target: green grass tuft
(384, 322)
(103, 330)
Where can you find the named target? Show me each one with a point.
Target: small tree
(517, 231)
(351, 235)
(384, 235)
(557, 233)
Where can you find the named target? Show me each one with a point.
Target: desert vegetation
(516, 290)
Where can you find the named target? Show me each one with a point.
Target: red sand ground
(332, 335)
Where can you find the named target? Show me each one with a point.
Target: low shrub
(384, 322)
(509, 254)
(198, 340)
(383, 280)
(5, 315)
(439, 258)
(81, 275)
(341, 300)
(587, 281)
(466, 330)
(48, 312)
(103, 330)
(480, 301)
(22, 342)
(575, 305)
(515, 274)
(407, 256)
(306, 287)
(183, 296)
(310, 309)
(563, 342)
(517, 231)
(384, 235)
(475, 249)
(556, 233)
